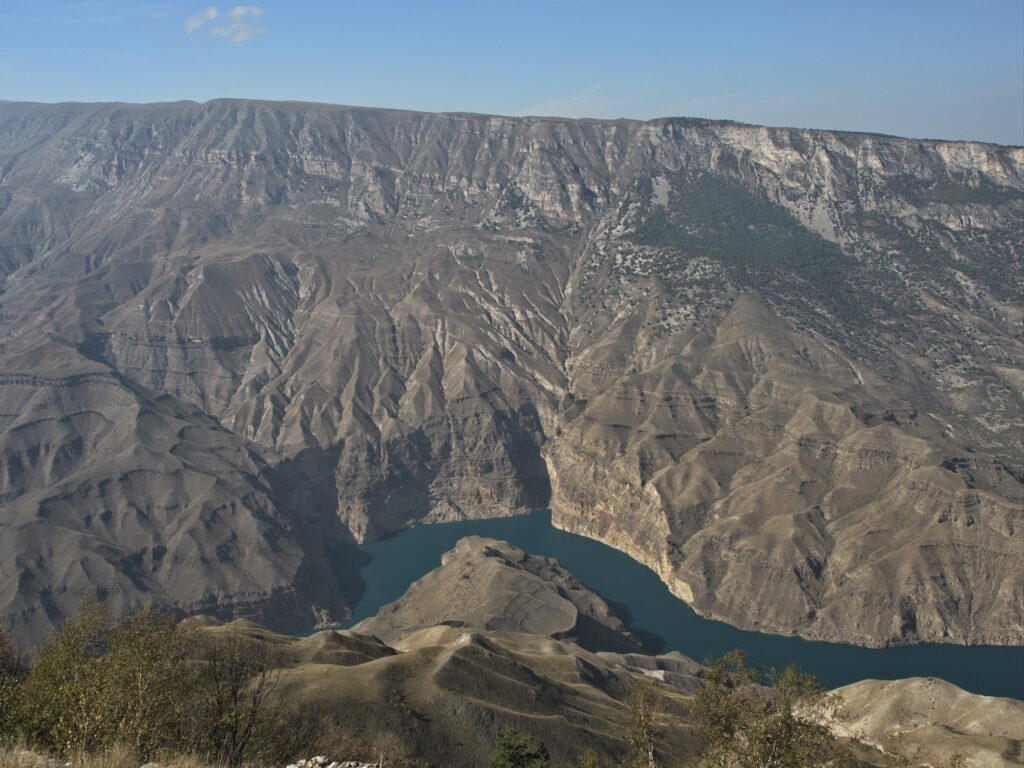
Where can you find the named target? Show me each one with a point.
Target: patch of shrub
(742, 723)
(237, 714)
(94, 685)
(150, 686)
(519, 750)
(11, 670)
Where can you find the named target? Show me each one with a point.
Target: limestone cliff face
(782, 367)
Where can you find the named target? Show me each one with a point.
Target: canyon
(783, 368)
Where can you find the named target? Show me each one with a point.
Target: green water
(667, 623)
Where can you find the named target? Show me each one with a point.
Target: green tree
(518, 750)
(646, 713)
(147, 685)
(65, 682)
(743, 724)
(146, 682)
(10, 661)
(94, 685)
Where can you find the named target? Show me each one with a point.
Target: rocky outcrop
(781, 367)
(448, 691)
(932, 720)
(491, 585)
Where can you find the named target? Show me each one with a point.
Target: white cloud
(192, 23)
(239, 12)
(236, 33)
(238, 23)
(242, 34)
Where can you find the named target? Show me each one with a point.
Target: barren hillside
(784, 368)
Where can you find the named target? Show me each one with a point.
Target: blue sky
(934, 69)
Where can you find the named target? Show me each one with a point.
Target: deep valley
(782, 368)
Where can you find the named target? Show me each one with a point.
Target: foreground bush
(146, 686)
(744, 724)
(92, 685)
(237, 714)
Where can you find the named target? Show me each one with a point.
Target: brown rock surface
(930, 720)
(491, 585)
(781, 367)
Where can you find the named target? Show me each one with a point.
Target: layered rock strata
(781, 367)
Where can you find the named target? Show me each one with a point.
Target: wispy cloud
(240, 12)
(193, 23)
(237, 25)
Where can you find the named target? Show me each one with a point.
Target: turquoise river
(668, 623)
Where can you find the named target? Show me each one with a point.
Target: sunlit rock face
(783, 368)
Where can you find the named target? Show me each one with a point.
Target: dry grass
(116, 757)
(17, 757)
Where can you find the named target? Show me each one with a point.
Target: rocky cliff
(784, 368)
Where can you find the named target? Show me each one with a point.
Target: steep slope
(782, 367)
(491, 585)
(450, 678)
(829, 454)
(444, 696)
(932, 720)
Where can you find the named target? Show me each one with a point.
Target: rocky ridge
(439, 693)
(932, 720)
(486, 676)
(491, 585)
(781, 367)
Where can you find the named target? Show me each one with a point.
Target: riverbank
(649, 609)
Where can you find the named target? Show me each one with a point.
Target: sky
(947, 70)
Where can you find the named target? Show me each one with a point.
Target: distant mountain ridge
(784, 368)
